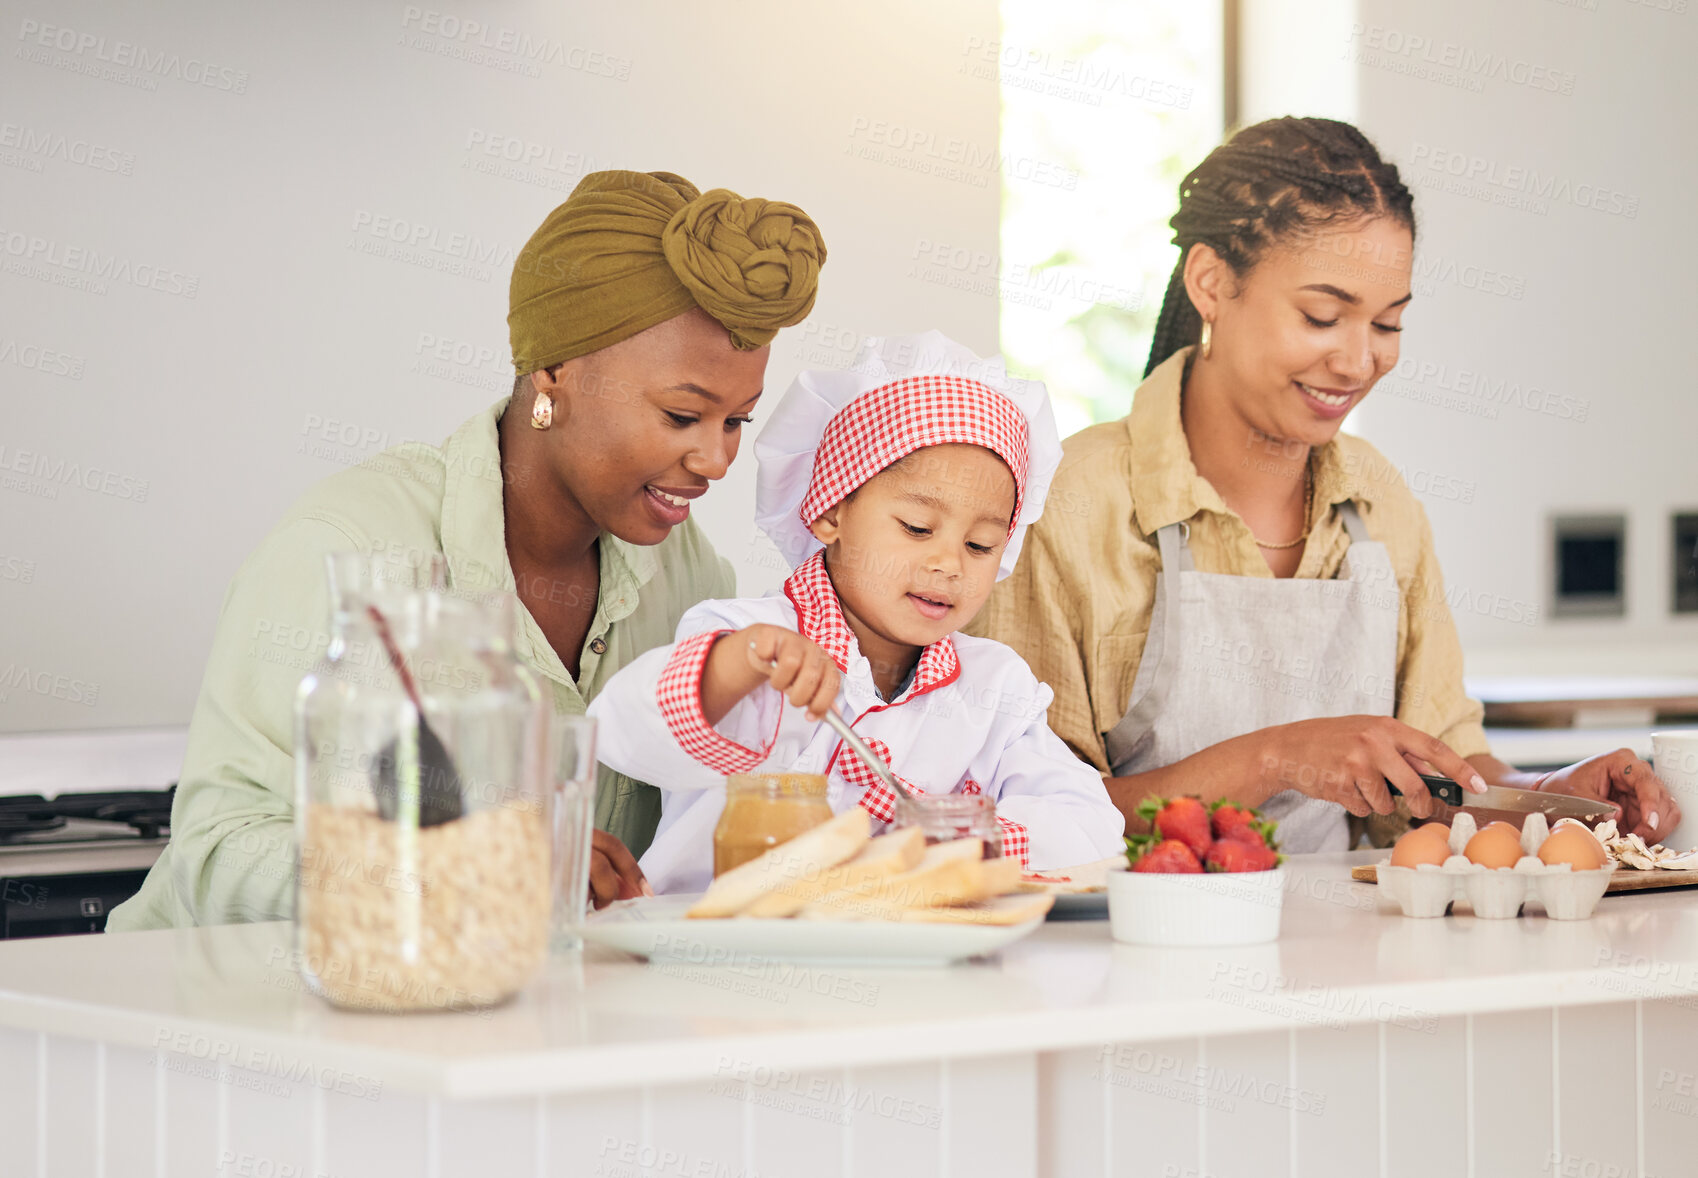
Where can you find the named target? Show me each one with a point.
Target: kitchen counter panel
(1359, 1042)
(603, 1018)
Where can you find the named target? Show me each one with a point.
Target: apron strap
(1161, 647)
(1174, 541)
(1353, 523)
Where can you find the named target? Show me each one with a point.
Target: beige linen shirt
(232, 850)
(1077, 606)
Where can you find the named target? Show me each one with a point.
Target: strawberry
(1183, 819)
(1257, 834)
(1225, 816)
(1232, 854)
(1247, 834)
(1168, 855)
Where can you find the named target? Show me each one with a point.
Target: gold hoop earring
(1206, 344)
(542, 411)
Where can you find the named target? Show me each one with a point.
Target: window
(1105, 105)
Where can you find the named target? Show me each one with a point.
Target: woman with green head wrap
(640, 312)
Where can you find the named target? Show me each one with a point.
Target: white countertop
(604, 1020)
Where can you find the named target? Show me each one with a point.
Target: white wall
(1574, 321)
(177, 420)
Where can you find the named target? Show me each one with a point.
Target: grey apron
(1229, 655)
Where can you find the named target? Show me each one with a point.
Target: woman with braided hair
(1229, 596)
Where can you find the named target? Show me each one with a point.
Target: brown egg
(1424, 844)
(1494, 846)
(1509, 826)
(1574, 845)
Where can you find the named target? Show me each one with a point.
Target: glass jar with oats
(421, 781)
(763, 810)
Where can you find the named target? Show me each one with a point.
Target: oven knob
(92, 906)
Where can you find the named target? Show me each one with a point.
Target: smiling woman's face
(1304, 336)
(644, 426)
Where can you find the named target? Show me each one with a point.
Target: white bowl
(1213, 908)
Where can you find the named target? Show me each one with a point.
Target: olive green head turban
(631, 249)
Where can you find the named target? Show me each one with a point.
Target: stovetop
(29, 821)
(66, 862)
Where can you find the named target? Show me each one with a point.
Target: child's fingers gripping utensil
(856, 744)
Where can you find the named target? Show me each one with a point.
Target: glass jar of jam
(763, 810)
(946, 817)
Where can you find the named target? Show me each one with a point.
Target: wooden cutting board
(1625, 879)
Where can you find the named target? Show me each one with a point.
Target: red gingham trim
(819, 616)
(679, 694)
(876, 797)
(1016, 843)
(892, 421)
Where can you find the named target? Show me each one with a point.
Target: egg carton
(1496, 894)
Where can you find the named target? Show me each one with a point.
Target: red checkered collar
(819, 616)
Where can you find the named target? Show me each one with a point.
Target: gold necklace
(1308, 513)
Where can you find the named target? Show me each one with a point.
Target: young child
(899, 491)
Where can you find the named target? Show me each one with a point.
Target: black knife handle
(1442, 788)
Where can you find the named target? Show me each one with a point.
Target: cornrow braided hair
(1269, 183)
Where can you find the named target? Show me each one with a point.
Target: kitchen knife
(1516, 801)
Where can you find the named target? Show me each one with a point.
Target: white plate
(657, 929)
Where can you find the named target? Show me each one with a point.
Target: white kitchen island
(1359, 1043)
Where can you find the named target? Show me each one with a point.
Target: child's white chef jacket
(972, 719)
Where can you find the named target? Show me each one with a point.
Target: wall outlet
(1684, 561)
(1588, 566)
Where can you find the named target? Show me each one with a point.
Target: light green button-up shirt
(232, 850)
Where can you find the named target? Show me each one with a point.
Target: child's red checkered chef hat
(835, 430)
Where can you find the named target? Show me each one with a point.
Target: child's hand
(795, 666)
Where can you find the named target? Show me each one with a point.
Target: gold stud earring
(542, 411)
(1206, 344)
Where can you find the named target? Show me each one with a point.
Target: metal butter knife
(872, 759)
(1516, 801)
(859, 748)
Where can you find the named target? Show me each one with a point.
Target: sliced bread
(881, 858)
(808, 854)
(951, 873)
